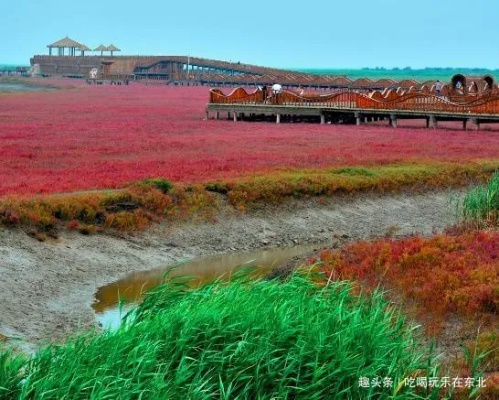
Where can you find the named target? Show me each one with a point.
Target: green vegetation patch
(354, 171)
(159, 183)
(276, 186)
(241, 339)
(481, 204)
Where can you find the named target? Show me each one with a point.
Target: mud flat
(15, 87)
(47, 289)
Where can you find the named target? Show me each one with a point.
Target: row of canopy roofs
(73, 46)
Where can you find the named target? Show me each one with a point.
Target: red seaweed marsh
(100, 182)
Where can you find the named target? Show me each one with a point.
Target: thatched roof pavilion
(65, 43)
(83, 49)
(101, 48)
(112, 48)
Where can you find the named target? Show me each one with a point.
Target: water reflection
(131, 289)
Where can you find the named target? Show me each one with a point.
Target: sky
(278, 33)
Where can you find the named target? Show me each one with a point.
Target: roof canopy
(112, 47)
(101, 48)
(67, 42)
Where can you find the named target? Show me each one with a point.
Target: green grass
(481, 205)
(241, 339)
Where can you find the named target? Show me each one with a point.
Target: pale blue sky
(317, 34)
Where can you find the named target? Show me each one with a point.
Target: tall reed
(481, 205)
(241, 339)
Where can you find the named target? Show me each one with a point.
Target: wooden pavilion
(112, 48)
(66, 43)
(101, 48)
(83, 49)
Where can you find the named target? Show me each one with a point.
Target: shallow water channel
(131, 289)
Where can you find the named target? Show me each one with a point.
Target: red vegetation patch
(441, 275)
(94, 137)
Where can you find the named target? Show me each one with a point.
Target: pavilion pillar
(323, 119)
(278, 118)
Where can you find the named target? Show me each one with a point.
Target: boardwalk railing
(411, 100)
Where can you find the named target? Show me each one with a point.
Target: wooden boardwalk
(14, 71)
(356, 107)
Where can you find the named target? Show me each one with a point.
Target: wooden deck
(356, 107)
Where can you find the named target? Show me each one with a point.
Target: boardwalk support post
(278, 118)
(393, 120)
(217, 115)
(431, 122)
(357, 118)
(323, 119)
(235, 116)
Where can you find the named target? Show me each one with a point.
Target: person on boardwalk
(276, 89)
(264, 94)
(438, 87)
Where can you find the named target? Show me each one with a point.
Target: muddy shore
(47, 288)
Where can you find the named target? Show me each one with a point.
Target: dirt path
(46, 289)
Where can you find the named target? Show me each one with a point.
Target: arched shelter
(63, 44)
(472, 84)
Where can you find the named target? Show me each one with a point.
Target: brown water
(131, 289)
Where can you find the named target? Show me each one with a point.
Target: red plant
(94, 137)
(444, 274)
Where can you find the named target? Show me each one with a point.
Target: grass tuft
(481, 205)
(242, 339)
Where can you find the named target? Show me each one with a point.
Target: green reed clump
(481, 205)
(10, 365)
(241, 339)
(159, 183)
